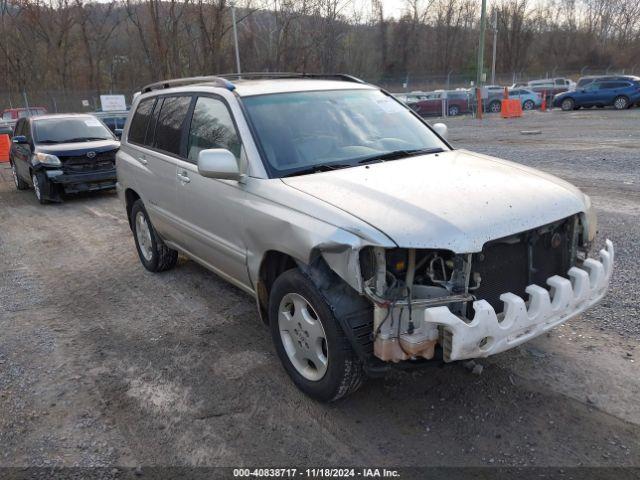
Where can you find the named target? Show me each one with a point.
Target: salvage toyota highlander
(366, 239)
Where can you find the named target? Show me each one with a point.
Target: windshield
(300, 132)
(68, 130)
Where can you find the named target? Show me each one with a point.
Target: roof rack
(223, 80)
(276, 75)
(179, 82)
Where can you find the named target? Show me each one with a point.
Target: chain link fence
(68, 101)
(76, 101)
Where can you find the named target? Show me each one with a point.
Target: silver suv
(367, 241)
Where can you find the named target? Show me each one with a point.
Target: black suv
(58, 154)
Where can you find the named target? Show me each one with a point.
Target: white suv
(367, 241)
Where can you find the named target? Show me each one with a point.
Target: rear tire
(454, 111)
(568, 104)
(19, 182)
(339, 371)
(154, 255)
(528, 105)
(621, 103)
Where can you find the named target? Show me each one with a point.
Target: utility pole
(480, 66)
(483, 26)
(235, 36)
(495, 39)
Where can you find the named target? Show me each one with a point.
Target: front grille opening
(531, 257)
(82, 164)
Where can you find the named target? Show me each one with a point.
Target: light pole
(483, 26)
(495, 39)
(235, 36)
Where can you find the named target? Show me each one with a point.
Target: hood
(457, 200)
(77, 149)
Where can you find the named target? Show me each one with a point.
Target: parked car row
(308, 192)
(458, 102)
(618, 91)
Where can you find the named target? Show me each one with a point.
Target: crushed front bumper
(489, 333)
(83, 182)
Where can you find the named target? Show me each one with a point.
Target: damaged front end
(473, 304)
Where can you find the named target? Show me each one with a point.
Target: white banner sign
(112, 103)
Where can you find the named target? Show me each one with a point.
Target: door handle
(183, 177)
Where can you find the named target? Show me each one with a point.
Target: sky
(392, 8)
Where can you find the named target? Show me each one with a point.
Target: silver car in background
(367, 241)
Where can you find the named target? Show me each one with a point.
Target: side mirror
(218, 163)
(20, 139)
(441, 129)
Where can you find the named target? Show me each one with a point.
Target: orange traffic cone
(543, 107)
(5, 146)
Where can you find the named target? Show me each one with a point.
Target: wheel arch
(273, 264)
(130, 196)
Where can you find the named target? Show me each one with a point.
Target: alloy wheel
(620, 103)
(15, 175)
(303, 336)
(143, 235)
(36, 186)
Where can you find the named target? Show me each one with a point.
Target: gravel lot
(105, 364)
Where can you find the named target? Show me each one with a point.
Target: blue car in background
(528, 98)
(620, 94)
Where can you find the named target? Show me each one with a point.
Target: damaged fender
(300, 234)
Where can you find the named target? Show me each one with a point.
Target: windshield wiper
(47, 142)
(397, 154)
(84, 139)
(317, 168)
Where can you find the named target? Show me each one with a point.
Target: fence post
(26, 103)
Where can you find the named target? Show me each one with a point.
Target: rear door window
(168, 132)
(140, 120)
(211, 127)
(153, 121)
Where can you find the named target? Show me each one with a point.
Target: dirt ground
(105, 364)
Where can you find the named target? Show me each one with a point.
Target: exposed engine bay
(404, 282)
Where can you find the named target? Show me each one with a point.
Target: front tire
(528, 105)
(37, 188)
(309, 341)
(454, 111)
(19, 182)
(154, 255)
(568, 104)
